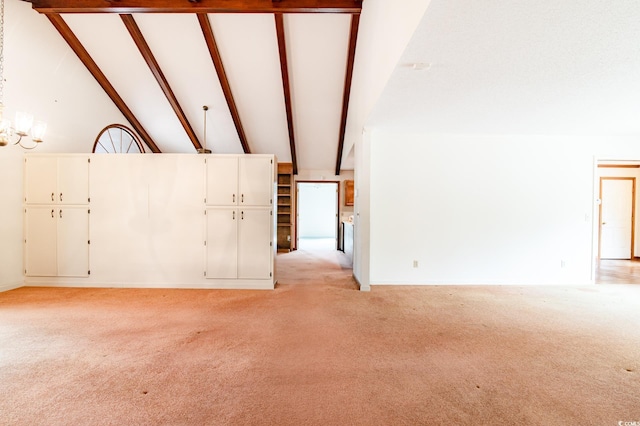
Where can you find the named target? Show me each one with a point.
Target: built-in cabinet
(169, 220)
(239, 213)
(56, 216)
(239, 243)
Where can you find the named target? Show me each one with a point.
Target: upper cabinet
(240, 180)
(56, 179)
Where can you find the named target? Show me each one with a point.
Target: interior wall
(484, 209)
(361, 243)
(385, 29)
(45, 78)
(11, 218)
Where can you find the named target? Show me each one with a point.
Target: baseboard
(7, 287)
(205, 284)
(361, 287)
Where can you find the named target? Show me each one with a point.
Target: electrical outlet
(563, 263)
(415, 263)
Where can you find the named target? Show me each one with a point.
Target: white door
(222, 243)
(41, 180)
(616, 218)
(40, 241)
(73, 180)
(222, 181)
(73, 241)
(255, 244)
(256, 181)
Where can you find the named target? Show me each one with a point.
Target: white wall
(44, 77)
(361, 230)
(385, 29)
(483, 209)
(11, 169)
(317, 207)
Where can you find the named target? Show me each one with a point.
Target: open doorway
(317, 215)
(617, 243)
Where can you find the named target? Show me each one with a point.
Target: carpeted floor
(318, 352)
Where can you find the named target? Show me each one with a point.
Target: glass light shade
(38, 131)
(24, 122)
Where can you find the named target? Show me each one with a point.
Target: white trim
(13, 286)
(362, 287)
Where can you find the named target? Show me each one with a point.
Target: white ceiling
(317, 46)
(495, 67)
(519, 67)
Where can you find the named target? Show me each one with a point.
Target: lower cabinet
(56, 241)
(239, 243)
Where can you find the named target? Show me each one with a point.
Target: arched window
(117, 139)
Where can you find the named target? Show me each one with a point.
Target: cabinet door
(254, 244)
(256, 181)
(73, 180)
(222, 243)
(40, 241)
(222, 181)
(40, 180)
(73, 242)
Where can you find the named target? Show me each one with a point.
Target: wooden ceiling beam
(197, 6)
(353, 38)
(95, 71)
(207, 32)
(286, 86)
(145, 50)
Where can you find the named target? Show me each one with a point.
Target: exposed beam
(355, 22)
(207, 31)
(95, 71)
(286, 86)
(197, 6)
(145, 50)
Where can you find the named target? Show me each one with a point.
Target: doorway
(617, 217)
(317, 215)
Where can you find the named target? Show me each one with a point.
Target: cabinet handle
(53, 197)
(60, 213)
(52, 213)
(242, 198)
(242, 215)
(61, 197)
(234, 198)
(234, 215)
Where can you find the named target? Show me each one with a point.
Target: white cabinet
(239, 243)
(240, 222)
(56, 241)
(239, 180)
(56, 194)
(222, 243)
(170, 220)
(256, 243)
(51, 179)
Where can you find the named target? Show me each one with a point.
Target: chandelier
(23, 122)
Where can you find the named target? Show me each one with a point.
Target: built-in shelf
(286, 239)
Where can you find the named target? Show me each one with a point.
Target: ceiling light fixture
(204, 149)
(24, 122)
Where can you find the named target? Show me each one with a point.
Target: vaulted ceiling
(275, 75)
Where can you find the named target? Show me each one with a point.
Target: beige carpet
(317, 352)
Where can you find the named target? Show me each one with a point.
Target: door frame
(633, 213)
(337, 182)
